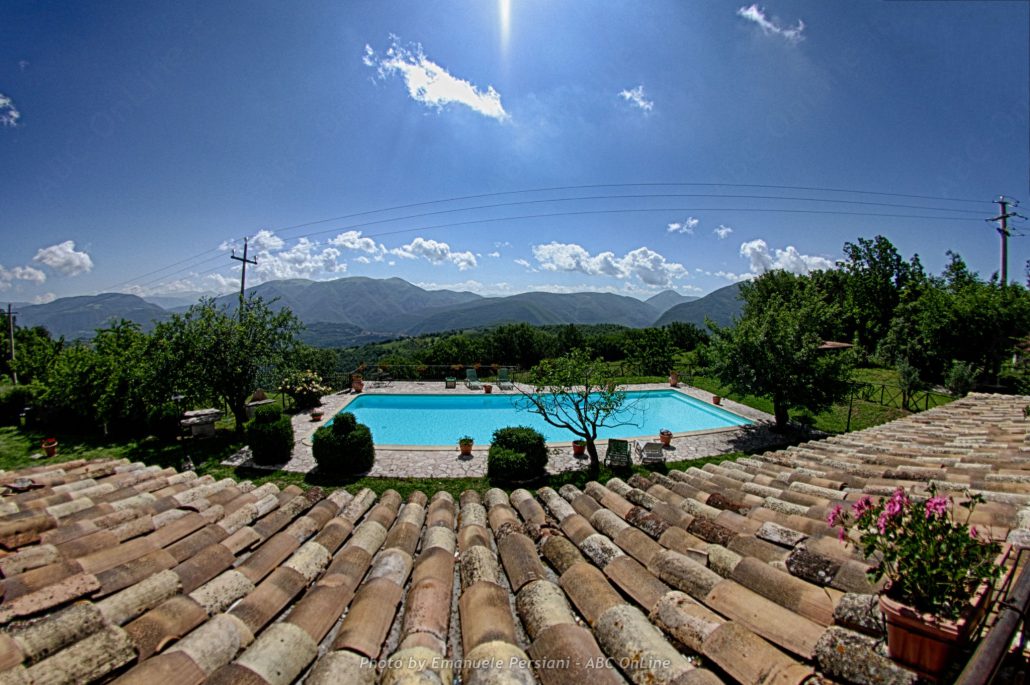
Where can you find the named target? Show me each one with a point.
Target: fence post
(851, 403)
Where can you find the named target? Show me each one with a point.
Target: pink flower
(862, 505)
(896, 503)
(841, 534)
(936, 506)
(881, 523)
(972, 532)
(835, 516)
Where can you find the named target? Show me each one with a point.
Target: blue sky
(143, 140)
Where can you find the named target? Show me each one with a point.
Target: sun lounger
(649, 452)
(503, 382)
(617, 453)
(472, 380)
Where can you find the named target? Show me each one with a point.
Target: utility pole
(1003, 229)
(10, 333)
(243, 276)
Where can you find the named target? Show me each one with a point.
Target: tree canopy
(774, 348)
(214, 354)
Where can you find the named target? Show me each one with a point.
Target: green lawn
(864, 413)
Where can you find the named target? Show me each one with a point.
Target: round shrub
(270, 436)
(517, 453)
(343, 447)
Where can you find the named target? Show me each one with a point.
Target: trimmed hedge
(517, 453)
(270, 436)
(343, 447)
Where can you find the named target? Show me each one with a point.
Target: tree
(876, 275)
(686, 336)
(575, 392)
(774, 350)
(650, 350)
(213, 354)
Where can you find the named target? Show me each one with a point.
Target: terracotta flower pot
(316, 416)
(716, 399)
(674, 379)
(487, 388)
(49, 447)
(926, 643)
(466, 448)
(665, 438)
(578, 449)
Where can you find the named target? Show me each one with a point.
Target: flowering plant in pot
(465, 444)
(579, 447)
(49, 446)
(939, 571)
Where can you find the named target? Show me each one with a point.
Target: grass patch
(864, 413)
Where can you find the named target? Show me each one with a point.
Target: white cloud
(646, 265)
(63, 258)
(431, 84)
(754, 13)
(495, 254)
(761, 259)
(20, 273)
(305, 259)
(435, 252)
(362, 260)
(636, 97)
(266, 240)
(9, 114)
(687, 226)
(722, 231)
(44, 298)
(353, 240)
(524, 264)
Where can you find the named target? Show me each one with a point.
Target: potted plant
(357, 383)
(317, 414)
(665, 436)
(579, 447)
(939, 572)
(487, 388)
(716, 399)
(465, 445)
(674, 379)
(49, 446)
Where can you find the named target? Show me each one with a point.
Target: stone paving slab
(445, 462)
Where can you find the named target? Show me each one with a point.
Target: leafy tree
(575, 392)
(876, 275)
(774, 348)
(213, 354)
(34, 348)
(650, 350)
(570, 338)
(686, 336)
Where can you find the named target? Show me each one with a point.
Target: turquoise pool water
(442, 419)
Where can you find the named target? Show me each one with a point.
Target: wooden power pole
(1003, 229)
(243, 276)
(10, 333)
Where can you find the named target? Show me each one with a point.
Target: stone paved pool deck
(393, 461)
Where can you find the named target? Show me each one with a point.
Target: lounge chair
(617, 453)
(649, 452)
(503, 382)
(472, 380)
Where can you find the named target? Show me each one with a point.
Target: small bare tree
(576, 393)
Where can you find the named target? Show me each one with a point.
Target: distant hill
(368, 303)
(179, 301)
(78, 317)
(537, 309)
(721, 306)
(353, 311)
(667, 299)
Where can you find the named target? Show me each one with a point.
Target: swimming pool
(442, 419)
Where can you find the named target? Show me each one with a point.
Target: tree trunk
(782, 417)
(239, 412)
(595, 462)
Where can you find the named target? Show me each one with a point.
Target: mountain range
(357, 310)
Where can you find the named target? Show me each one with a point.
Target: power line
(623, 185)
(595, 197)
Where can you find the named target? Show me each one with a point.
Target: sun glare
(504, 9)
